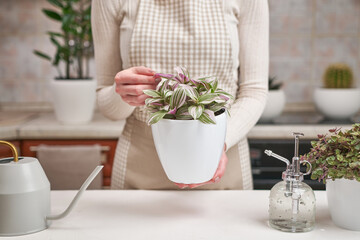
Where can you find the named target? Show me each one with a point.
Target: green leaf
(153, 100)
(55, 42)
(222, 92)
(215, 85)
(152, 93)
(207, 98)
(184, 117)
(196, 111)
(354, 164)
(42, 55)
(216, 107)
(56, 59)
(157, 116)
(330, 160)
(52, 14)
(205, 118)
(56, 3)
(190, 92)
(52, 34)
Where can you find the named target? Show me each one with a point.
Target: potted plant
(275, 102)
(338, 99)
(188, 121)
(73, 90)
(335, 160)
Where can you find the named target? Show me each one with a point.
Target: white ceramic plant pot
(337, 103)
(274, 106)
(189, 150)
(74, 100)
(343, 198)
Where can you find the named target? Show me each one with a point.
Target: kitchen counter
(45, 126)
(138, 214)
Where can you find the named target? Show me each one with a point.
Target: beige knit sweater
(247, 22)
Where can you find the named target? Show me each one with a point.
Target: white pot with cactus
(73, 90)
(275, 102)
(188, 121)
(338, 99)
(335, 160)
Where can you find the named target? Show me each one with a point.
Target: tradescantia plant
(178, 96)
(336, 155)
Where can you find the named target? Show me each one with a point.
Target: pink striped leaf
(173, 111)
(178, 98)
(190, 92)
(162, 75)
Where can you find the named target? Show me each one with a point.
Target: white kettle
(25, 195)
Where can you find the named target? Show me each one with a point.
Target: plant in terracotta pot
(73, 89)
(275, 101)
(188, 121)
(335, 160)
(338, 99)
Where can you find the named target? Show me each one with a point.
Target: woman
(228, 39)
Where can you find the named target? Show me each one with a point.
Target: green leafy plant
(338, 75)
(273, 84)
(74, 45)
(336, 155)
(178, 96)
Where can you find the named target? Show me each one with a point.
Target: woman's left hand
(217, 176)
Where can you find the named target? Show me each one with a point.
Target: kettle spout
(78, 195)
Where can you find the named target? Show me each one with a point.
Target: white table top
(138, 214)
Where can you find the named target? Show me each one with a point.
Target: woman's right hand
(131, 82)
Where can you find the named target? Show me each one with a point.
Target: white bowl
(337, 103)
(274, 105)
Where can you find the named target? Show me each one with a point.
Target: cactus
(338, 75)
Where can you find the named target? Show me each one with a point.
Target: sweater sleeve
(253, 30)
(106, 17)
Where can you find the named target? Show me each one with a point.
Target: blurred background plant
(338, 75)
(274, 84)
(73, 42)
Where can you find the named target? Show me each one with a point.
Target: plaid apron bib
(188, 33)
(169, 33)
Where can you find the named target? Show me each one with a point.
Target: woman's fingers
(217, 176)
(143, 70)
(134, 90)
(126, 78)
(131, 82)
(135, 100)
(135, 75)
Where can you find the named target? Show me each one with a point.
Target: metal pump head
(292, 172)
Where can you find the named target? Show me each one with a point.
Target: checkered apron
(169, 33)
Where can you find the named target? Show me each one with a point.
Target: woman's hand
(217, 176)
(131, 82)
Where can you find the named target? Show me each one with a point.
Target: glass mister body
(292, 207)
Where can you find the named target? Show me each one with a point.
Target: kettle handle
(13, 149)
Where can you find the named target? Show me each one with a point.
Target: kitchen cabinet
(28, 148)
(5, 151)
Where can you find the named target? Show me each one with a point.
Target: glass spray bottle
(292, 202)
